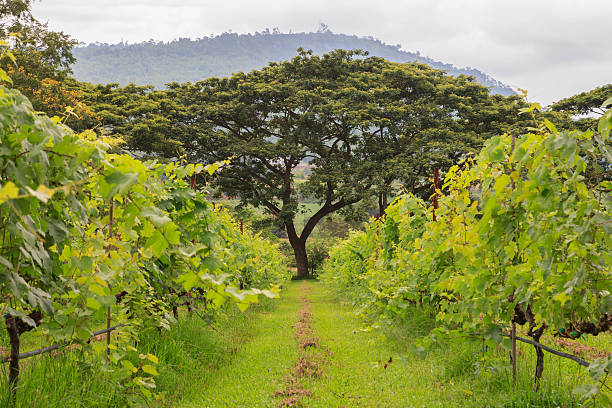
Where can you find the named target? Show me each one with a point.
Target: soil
(311, 357)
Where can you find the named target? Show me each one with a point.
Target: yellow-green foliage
(249, 259)
(523, 233)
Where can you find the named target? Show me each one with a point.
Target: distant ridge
(186, 60)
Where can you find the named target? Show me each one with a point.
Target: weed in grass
(462, 363)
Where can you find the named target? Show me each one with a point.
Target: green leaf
(189, 280)
(42, 193)
(4, 76)
(212, 168)
(604, 126)
(269, 294)
(149, 369)
(127, 364)
(586, 391)
(157, 243)
(550, 126)
(519, 154)
(495, 148)
(242, 306)
(152, 358)
(93, 303)
(83, 333)
(59, 232)
(561, 298)
(212, 263)
(97, 289)
(501, 183)
(174, 236)
(156, 216)
(20, 314)
(120, 182)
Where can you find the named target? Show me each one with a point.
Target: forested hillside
(187, 60)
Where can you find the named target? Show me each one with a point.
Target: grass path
(256, 371)
(367, 371)
(306, 349)
(353, 375)
(352, 367)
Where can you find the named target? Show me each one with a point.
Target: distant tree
(323, 28)
(139, 116)
(42, 61)
(585, 103)
(583, 111)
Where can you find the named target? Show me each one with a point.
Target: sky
(552, 48)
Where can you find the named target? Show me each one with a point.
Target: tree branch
(327, 208)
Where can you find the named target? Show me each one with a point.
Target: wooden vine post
(436, 174)
(513, 332)
(13, 332)
(514, 353)
(12, 329)
(108, 310)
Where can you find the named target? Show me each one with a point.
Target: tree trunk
(539, 367)
(298, 243)
(301, 259)
(535, 334)
(13, 333)
(382, 203)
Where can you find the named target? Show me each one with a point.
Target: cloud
(554, 48)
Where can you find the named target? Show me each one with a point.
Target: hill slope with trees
(190, 60)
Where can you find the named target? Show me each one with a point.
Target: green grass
(57, 381)
(213, 375)
(446, 377)
(243, 360)
(199, 364)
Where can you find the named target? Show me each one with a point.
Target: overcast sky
(552, 48)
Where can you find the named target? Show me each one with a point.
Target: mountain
(183, 60)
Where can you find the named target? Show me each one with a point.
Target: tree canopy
(585, 103)
(361, 123)
(39, 62)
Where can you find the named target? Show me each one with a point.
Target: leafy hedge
(86, 234)
(523, 235)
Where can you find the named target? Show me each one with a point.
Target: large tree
(137, 115)
(360, 122)
(271, 120)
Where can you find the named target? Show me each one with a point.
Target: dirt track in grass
(311, 357)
